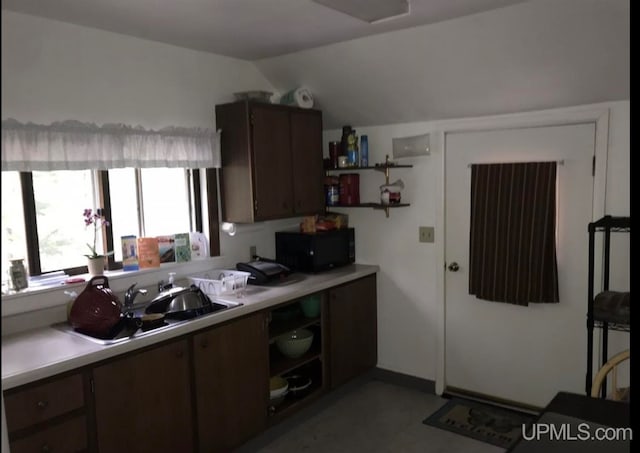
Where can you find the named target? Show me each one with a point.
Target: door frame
(599, 115)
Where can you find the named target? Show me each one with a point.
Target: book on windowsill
(129, 253)
(148, 253)
(167, 249)
(183, 247)
(199, 246)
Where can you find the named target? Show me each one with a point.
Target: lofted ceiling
(447, 59)
(245, 29)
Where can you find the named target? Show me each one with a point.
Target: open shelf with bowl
(306, 384)
(296, 353)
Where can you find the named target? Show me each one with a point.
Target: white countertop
(41, 353)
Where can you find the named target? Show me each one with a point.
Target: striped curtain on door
(512, 242)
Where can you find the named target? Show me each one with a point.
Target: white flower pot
(96, 265)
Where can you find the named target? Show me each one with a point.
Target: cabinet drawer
(69, 436)
(43, 402)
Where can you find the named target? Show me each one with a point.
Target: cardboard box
(308, 224)
(340, 220)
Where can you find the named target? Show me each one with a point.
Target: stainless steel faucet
(130, 295)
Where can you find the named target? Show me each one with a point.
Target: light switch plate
(426, 234)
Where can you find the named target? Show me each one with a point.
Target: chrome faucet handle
(131, 293)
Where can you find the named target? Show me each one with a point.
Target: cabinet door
(306, 149)
(43, 402)
(143, 401)
(68, 435)
(231, 378)
(352, 329)
(236, 188)
(272, 181)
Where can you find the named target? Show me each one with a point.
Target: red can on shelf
(350, 189)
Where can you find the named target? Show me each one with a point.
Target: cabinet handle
(46, 449)
(42, 404)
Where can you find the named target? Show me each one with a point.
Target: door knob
(453, 267)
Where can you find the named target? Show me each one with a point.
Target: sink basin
(129, 332)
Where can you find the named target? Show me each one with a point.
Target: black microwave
(315, 252)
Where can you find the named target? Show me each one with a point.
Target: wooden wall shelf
(385, 167)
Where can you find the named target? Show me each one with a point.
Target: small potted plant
(97, 220)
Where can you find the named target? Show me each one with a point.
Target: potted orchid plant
(97, 221)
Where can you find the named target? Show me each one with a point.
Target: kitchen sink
(130, 332)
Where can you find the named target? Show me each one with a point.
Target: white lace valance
(73, 145)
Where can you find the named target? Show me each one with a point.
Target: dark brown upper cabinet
(272, 163)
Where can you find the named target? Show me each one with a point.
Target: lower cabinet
(48, 416)
(143, 401)
(353, 345)
(207, 391)
(230, 373)
(67, 436)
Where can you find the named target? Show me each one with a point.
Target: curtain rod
(559, 162)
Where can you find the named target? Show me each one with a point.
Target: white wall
(409, 308)
(55, 71)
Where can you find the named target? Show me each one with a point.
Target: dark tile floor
(366, 415)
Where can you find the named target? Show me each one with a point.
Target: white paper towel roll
(300, 97)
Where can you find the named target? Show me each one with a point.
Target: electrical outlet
(252, 252)
(426, 234)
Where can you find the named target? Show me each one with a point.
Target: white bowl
(278, 389)
(296, 343)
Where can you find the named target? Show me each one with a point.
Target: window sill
(43, 297)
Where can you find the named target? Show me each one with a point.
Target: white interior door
(521, 354)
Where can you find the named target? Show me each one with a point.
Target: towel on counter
(612, 306)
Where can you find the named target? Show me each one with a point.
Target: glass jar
(18, 275)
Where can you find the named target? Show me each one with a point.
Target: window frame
(194, 177)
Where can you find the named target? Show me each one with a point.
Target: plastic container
(218, 282)
(311, 306)
(18, 275)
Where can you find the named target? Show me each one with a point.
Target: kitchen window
(146, 182)
(42, 212)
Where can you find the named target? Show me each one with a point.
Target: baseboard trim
(404, 380)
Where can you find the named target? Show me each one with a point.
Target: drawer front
(38, 404)
(66, 437)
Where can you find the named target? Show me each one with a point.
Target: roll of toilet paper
(300, 97)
